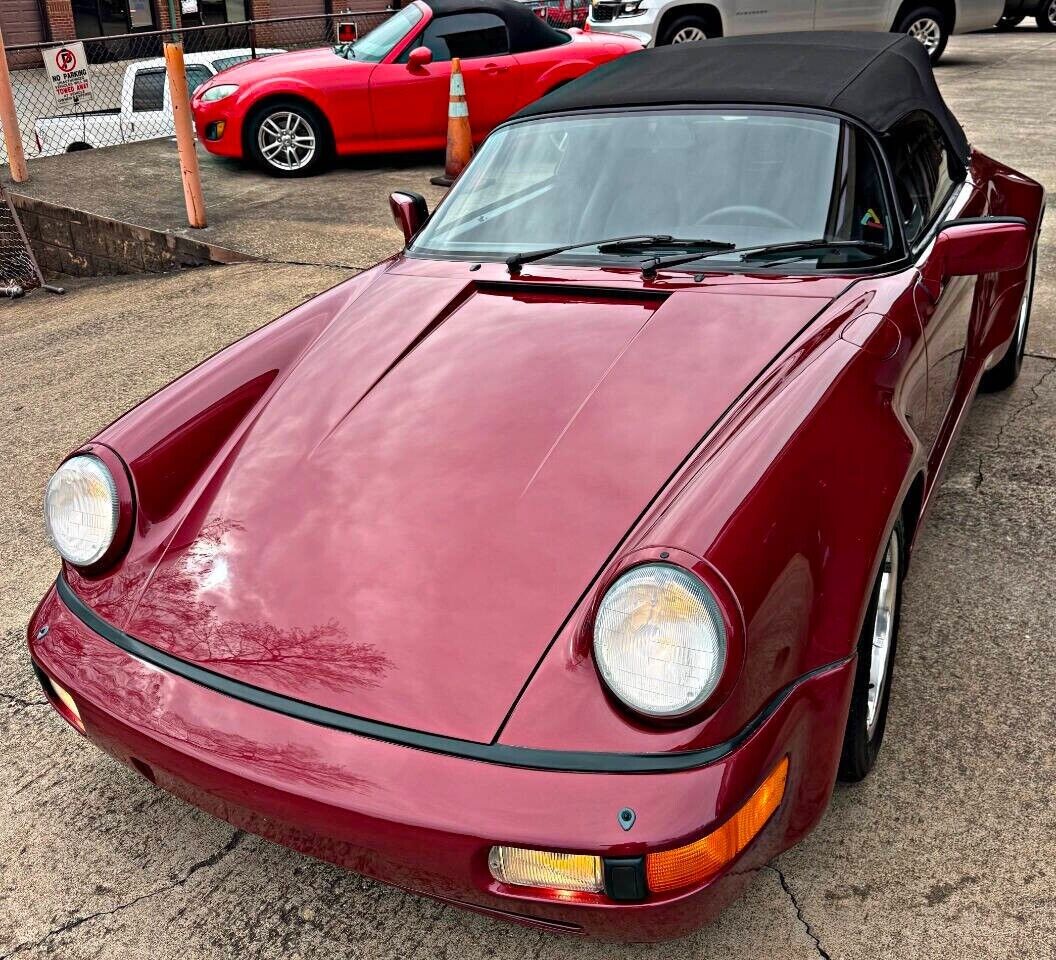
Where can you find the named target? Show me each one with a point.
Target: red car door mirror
(410, 211)
(982, 245)
(976, 245)
(419, 57)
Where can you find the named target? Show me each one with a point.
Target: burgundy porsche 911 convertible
(552, 567)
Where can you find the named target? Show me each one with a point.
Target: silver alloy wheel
(1050, 12)
(928, 32)
(286, 140)
(689, 34)
(1024, 307)
(883, 633)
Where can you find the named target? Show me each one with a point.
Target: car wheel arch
(283, 96)
(912, 512)
(948, 8)
(706, 11)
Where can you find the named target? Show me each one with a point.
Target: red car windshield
(376, 45)
(748, 178)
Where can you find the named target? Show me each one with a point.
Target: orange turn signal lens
(697, 861)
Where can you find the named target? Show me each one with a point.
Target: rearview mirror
(410, 211)
(420, 57)
(982, 245)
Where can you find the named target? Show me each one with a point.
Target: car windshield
(750, 178)
(376, 45)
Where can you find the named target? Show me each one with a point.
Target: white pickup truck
(145, 112)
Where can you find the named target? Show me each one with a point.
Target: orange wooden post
(16, 156)
(181, 115)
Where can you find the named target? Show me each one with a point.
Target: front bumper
(642, 27)
(425, 821)
(207, 116)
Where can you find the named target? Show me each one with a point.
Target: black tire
(690, 23)
(1046, 15)
(1006, 371)
(861, 745)
(926, 13)
(1008, 23)
(278, 111)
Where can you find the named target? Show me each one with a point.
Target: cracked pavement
(948, 850)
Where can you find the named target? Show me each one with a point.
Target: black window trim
(416, 40)
(901, 254)
(959, 175)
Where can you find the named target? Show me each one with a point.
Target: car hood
(294, 63)
(419, 504)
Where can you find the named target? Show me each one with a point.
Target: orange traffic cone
(459, 135)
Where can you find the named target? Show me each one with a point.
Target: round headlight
(219, 92)
(81, 510)
(659, 640)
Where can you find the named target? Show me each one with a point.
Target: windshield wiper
(615, 245)
(802, 246)
(748, 254)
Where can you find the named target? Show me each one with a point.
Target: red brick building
(35, 21)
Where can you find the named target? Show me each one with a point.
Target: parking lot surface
(947, 850)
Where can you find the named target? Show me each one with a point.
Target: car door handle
(492, 69)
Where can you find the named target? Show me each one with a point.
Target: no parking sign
(68, 68)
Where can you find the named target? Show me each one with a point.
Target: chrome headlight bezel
(219, 92)
(718, 652)
(114, 498)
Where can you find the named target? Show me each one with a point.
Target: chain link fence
(562, 13)
(19, 272)
(128, 98)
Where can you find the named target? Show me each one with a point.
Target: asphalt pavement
(947, 850)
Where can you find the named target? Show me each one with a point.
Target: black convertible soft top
(875, 78)
(526, 30)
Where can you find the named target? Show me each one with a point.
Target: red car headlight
(660, 641)
(88, 508)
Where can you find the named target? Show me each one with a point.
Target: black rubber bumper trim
(558, 760)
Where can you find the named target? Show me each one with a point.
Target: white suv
(657, 22)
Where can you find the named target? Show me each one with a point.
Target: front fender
(791, 502)
(178, 438)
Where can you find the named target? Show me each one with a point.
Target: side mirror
(419, 57)
(983, 245)
(976, 245)
(410, 211)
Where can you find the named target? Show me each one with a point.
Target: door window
(920, 162)
(148, 91)
(464, 35)
(197, 74)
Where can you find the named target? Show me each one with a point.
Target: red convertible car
(552, 567)
(389, 91)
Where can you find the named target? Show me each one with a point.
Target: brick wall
(72, 243)
(60, 19)
(161, 9)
